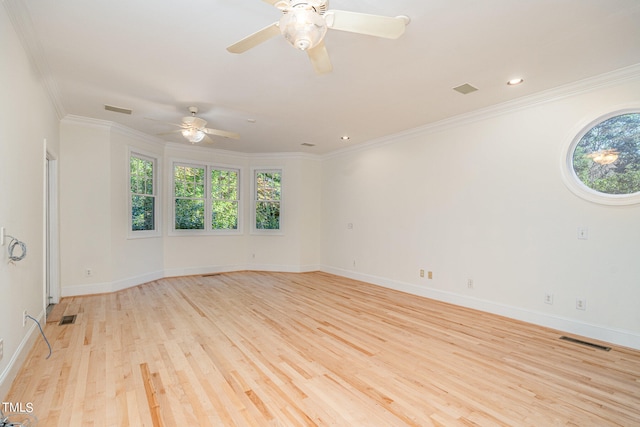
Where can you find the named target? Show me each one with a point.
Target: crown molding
(113, 127)
(197, 148)
(23, 26)
(612, 78)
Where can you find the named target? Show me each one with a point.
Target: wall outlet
(88, 272)
(581, 304)
(1, 349)
(548, 298)
(583, 233)
(430, 275)
(24, 318)
(470, 283)
(421, 273)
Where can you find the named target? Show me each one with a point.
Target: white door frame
(52, 237)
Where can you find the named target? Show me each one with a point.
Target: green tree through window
(189, 197)
(143, 200)
(268, 199)
(607, 157)
(224, 199)
(207, 198)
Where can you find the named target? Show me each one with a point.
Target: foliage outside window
(607, 157)
(224, 199)
(206, 198)
(143, 193)
(189, 191)
(268, 199)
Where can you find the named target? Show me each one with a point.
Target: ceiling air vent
(117, 109)
(465, 89)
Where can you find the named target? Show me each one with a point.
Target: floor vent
(68, 320)
(210, 275)
(588, 344)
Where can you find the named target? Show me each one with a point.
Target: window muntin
(607, 157)
(143, 200)
(206, 198)
(267, 199)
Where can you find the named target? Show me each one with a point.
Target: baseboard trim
(569, 326)
(109, 287)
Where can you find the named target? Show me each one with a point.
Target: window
(604, 159)
(224, 199)
(206, 198)
(189, 192)
(143, 200)
(267, 199)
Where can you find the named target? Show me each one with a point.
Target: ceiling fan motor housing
(319, 6)
(303, 25)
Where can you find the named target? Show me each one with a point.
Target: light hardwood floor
(280, 349)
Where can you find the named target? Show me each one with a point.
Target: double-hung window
(206, 198)
(143, 199)
(267, 198)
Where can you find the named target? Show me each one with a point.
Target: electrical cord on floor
(43, 336)
(12, 246)
(25, 419)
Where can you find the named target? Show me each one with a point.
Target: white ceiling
(158, 58)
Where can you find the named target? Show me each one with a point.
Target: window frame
(208, 229)
(157, 214)
(254, 201)
(571, 179)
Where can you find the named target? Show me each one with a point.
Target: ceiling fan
(305, 23)
(194, 129)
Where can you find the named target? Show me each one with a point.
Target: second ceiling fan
(305, 23)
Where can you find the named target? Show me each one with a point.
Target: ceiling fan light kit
(193, 135)
(303, 28)
(305, 23)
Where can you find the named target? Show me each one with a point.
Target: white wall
(483, 198)
(94, 196)
(94, 213)
(27, 119)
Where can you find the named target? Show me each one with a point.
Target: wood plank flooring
(312, 349)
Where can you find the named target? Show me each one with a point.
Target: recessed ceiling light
(251, 120)
(345, 137)
(515, 82)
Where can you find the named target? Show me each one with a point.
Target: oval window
(606, 158)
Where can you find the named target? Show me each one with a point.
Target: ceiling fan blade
(255, 39)
(162, 121)
(362, 23)
(223, 133)
(170, 132)
(280, 4)
(320, 59)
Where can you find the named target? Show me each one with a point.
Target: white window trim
(255, 230)
(208, 230)
(156, 232)
(569, 176)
